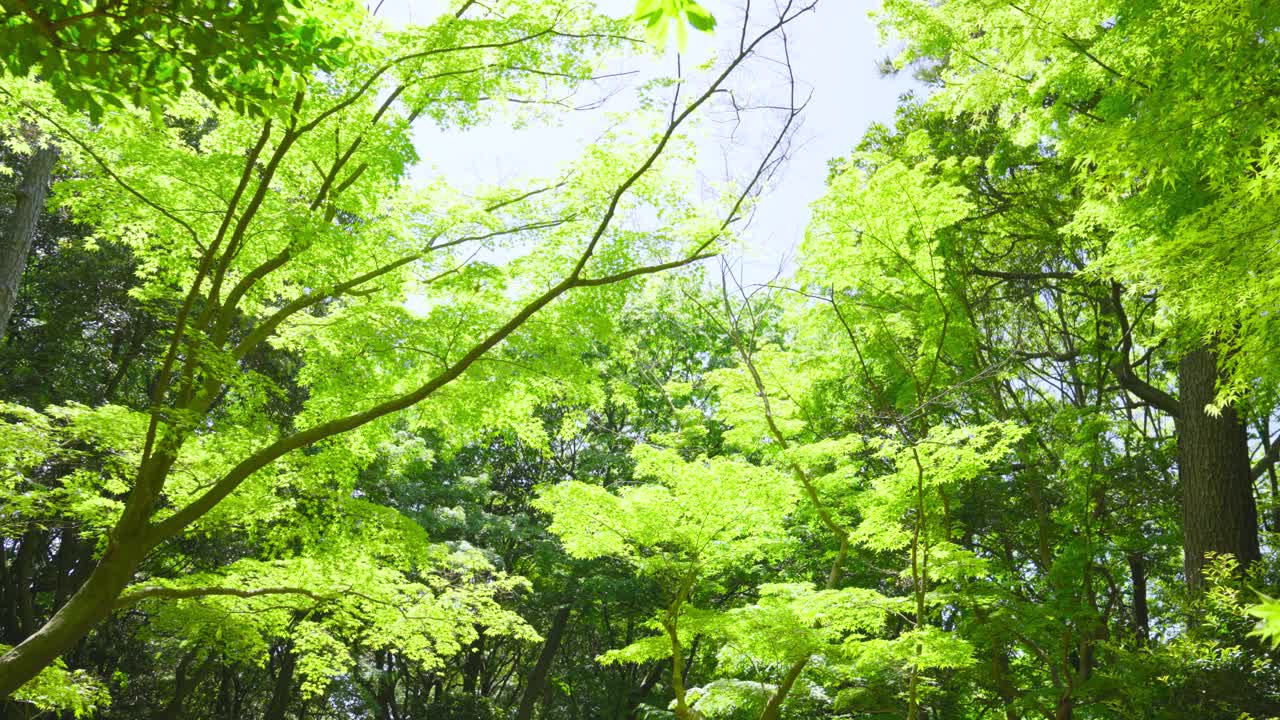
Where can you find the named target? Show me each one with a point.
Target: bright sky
(833, 52)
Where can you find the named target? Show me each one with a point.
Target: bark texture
(15, 244)
(1219, 513)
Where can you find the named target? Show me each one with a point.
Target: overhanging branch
(149, 592)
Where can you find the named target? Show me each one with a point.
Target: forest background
(298, 425)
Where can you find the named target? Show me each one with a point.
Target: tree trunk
(183, 685)
(1065, 709)
(1219, 513)
(226, 704)
(283, 691)
(91, 604)
(472, 666)
(1000, 671)
(16, 241)
(541, 669)
(70, 555)
(128, 543)
(773, 708)
(1004, 686)
(8, 599)
(646, 686)
(1264, 433)
(1141, 618)
(24, 572)
(1275, 497)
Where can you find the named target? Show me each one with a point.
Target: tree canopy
(293, 427)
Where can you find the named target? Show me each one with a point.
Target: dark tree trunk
(1219, 513)
(68, 558)
(646, 686)
(1004, 686)
(88, 606)
(382, 683)
(8, 603)
(24, 579)
(1264, 432)
(1275, 498)
(184, 684)
(15, 244)
(1000, 671)
(1065, 709)
(541, 669)
(283, 690)
(1141, 617)
(472, 666)
(226, 707)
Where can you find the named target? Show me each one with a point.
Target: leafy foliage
(145, 52)
(290, 430)
(658, 15)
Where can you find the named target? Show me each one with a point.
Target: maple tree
(288, 430)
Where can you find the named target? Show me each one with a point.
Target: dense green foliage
(288, 433)
(147, 51)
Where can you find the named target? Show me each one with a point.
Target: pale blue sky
(833, 51)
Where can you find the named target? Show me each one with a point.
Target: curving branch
(268, 326)
(149, 592)
(1123, 367)
(1023, 276)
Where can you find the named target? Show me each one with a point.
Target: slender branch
(783, 20)
(775, 432)
(172, 525)
(1123, 367)
(228, 483)
(524, 196)
(268, 326)
(1024, 276)
(382, 70)
(250, 212)
(1267, 460)
(245, 218)
(138, 594)
(64, 132)
(647, 270)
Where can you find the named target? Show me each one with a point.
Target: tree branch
(174, 524)
(1023, 276)
(1123, 368)
(1267, 460)
(148, 592)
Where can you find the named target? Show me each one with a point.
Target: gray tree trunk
(15, 244)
